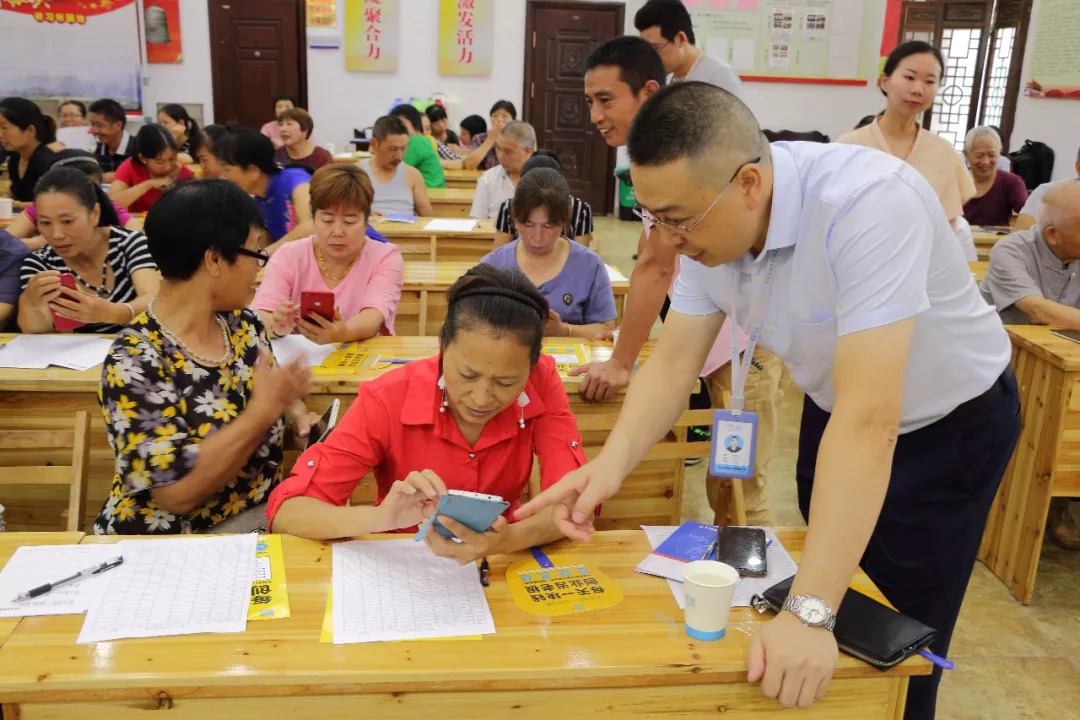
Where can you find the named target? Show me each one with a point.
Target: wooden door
(558, 38)
(256, 51)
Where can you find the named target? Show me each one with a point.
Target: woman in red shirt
(141, 179)
(469, 419)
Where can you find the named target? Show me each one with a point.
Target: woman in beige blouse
(912, 74)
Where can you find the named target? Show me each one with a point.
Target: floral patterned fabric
(159, 406)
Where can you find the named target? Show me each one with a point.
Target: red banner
(73, 12)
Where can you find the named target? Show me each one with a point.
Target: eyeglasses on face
(261, 256)
(647, 216)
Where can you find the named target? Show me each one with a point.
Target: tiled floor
(1013, 662)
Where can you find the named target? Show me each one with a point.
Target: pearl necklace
(224, 360)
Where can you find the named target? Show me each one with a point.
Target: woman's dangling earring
(522, 401)
(445, 400)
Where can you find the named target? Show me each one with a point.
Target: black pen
(42, 589)
(485, 573)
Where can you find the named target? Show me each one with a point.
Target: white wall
(1055, 122)
(191, 80)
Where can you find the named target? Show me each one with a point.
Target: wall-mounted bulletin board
(801, 41)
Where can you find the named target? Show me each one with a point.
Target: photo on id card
(734, 440)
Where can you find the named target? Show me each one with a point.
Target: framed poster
(163, 44)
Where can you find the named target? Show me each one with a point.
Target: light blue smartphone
(475, 511)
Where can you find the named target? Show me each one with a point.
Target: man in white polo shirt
(666, 25)
(840, 260)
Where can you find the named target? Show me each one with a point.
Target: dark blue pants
(924, 546)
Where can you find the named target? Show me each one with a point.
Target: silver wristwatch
(812, 610)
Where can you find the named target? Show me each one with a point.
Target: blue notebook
(685, 545)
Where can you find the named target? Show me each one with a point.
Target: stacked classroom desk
(1046, 463)
(422, 307)
(32, 398)
(451, 201)
(462, 178)
(986, 238)
(630, 661)
(351, 157)
(417, 243)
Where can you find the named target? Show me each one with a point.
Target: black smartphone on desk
(1073, 335)
(743, 548)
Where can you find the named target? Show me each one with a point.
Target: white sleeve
(879, 249)
(1031, 207)
(688, 296)
(480, 202)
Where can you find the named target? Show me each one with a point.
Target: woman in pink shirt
(364, 275)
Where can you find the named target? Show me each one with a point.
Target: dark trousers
(944, 478)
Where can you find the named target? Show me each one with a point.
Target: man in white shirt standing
(666, 25)
(840, 260)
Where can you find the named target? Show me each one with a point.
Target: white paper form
(450, 225)
(176, 586)
(399, 590)
(614, 275)
(779, 562)
(289, 347)
(37, 352)
(35, 565)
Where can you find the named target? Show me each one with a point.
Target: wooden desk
(10, 542)
(651, 495)
(985, 239)
(979, 269)
(416, 243)
(351, 157)
(630, 661)
(451, 201)
(462, 178)
(1046, 463)
(422, 307)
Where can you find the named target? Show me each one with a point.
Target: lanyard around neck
(740, 369)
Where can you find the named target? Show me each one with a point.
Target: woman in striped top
(581, 223)
(111, 265)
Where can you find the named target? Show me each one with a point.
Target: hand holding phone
(313, 302)
(475, 511)
(69, 288)
(321, 430)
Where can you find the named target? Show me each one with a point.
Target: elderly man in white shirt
(841, 261)
(515, 144)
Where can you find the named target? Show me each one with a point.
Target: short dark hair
(208, 137)
(637, 61)
(244, 147)
(152, 140)
(504, 105)
(388, 125)
(197, 216)
(77, 103)
(109, 109)
(691, 120)
(542, 159)
(542, 188)
(500, 299)
(286, 96)
(911, 47)
(301, 117)
(78, 185)
(24, 114)
(671, 16)
(475, 124)
(411, 114)
(435, 112)
(180, 114)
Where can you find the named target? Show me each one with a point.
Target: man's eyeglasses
(261, 256)
(648, 217)
(658, 48)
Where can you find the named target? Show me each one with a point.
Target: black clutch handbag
(865, 629)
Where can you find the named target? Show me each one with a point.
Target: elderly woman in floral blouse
(194, 406)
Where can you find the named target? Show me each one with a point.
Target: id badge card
(734, 442)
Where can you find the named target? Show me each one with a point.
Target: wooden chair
(29, 449)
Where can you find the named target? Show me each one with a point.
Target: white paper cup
(7, 208)
(709, 586)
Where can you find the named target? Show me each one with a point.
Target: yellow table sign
(269, 594)
(569, 586)
(565, 356)
(347, 358)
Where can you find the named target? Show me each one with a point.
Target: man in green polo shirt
(420, 152)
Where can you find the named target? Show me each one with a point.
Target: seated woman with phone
(195, 407)
(92, 276)
(337, 285)
(469, 419)
(572, 277)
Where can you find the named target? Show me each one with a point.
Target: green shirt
(421, 155)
